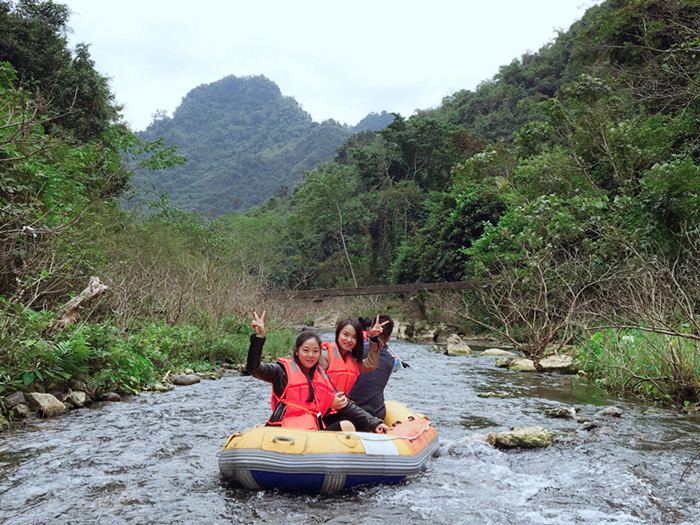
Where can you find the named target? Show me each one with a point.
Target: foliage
(111, 360)
(651, 365)
(67, 90)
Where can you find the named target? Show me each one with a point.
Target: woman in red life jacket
(343, 361)
(301, 391)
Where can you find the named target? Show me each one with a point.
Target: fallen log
(71, 310)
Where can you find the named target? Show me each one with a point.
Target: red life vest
(342, 370)
(299, 412)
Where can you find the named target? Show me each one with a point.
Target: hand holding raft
(340, 401)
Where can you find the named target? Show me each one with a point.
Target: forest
(568, 185)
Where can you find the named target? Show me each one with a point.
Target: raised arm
(375, 344)
(269, 372)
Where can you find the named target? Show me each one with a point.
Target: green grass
(649, 365)
(110, 360)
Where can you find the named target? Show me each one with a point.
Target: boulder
(111, 396)
(457, 346)
(561, 413)
(562, 363)
(610, 412)
(185, 379)
(503, 362)
(21, 411)
(493, 394)
(45, 404)
(15, 399)
(521, 437)
(497, 351)
(76, 398)
(4, 423)
(522, 364)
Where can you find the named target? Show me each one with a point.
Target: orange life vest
(342, 370)
(300, 413)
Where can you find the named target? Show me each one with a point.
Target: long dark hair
(304, 336)
(358, 351)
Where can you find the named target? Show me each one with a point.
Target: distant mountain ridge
(244, 142)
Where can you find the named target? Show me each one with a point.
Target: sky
(339, 60)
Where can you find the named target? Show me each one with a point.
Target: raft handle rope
(411, 439)
(286, 439)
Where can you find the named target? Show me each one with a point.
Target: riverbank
(153, 457)
(92, 362)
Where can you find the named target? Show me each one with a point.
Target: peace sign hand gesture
(259, 324)
(377, 328)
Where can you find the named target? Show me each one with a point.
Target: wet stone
(493, 394)
(15, 399)
(111, 396)
(76, 398)
(185, 379)
(46, 404)
(611, 412)
(497, 351)
(561, 413)
(457, 346)
(521, 437)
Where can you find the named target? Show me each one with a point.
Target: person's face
(308, 353)
(347, 338)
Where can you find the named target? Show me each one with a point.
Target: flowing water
(153, 458)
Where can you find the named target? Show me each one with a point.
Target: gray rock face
(45, 404)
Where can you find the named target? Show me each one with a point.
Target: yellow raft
(275, 457)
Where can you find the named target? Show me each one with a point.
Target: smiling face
(347, 338)
(308, 353)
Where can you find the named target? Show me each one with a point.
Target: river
(152, 458)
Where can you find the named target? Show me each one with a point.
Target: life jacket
(300, 413)
(342, 370)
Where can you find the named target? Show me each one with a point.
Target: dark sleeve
(359, 416)
(270, 372)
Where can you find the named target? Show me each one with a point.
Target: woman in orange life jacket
(343, 361)
(301, 391)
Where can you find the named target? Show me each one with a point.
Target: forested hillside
(244, 142)
(568, 185)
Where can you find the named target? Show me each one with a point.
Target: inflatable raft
(276, 457)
